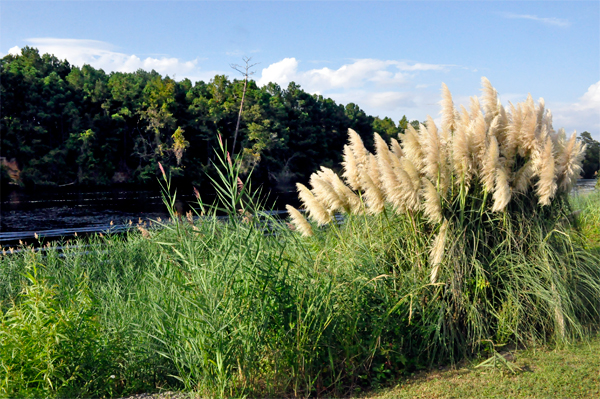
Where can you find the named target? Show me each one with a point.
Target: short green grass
(571, 372)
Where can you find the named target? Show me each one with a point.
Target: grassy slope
(572, 372)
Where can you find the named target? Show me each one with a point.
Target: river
(62, 212)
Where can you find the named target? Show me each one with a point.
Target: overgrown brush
(483, 201)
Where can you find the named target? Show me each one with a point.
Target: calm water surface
(63, 212)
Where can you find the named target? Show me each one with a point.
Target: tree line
(63, 124)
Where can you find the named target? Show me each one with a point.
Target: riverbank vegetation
(471, 249)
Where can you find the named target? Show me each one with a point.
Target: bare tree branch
(245, 71)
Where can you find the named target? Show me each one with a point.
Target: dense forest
(62, 124)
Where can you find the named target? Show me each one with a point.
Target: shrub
(55, 345)
(482, 206)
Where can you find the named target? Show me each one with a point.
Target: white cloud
(361, 72)
(14, 50)
(380, 87)
(582, 115)
(563, 23)
(102, 55)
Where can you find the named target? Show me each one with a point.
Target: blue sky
(388, 57)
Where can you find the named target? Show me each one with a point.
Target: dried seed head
(489, 165)
(436, 253)
(351, 201)
(358, 149)
(411, 147)
(299, 221)
(448, 112)
(546, 185)
(396, 149)
(502, 193)
(316, 210)
(569, 162)
(522, 178)
(432, 206)
(351, 174)
(325, 193)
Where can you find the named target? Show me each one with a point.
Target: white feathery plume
(351, 174)
(323, 189)
(411, 146)
(490, 100)
(546, 185)
(396, 149)
(540, 114)
(502, 124)
(547, 121)
(461, 155)
(478, 138)
(389, 183)
(474, 107)
(569, 162)
(316, 210)
(370, 181)
(508, 146)
(502, 192)
(412, 185)
(432, 206)
(436, 253)
(373, 169)
(494, 128)
(299, 221)
(373, 196)
(352, 203)
(448, 112)
(527, 135)
(358, 148)
(430, 143)
(489, 164)
(522, 178)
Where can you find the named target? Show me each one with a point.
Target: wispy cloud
(380, 87)
(360, 73)
(102, 55)
(563, 23)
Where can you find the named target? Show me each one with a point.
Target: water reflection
(63, 212)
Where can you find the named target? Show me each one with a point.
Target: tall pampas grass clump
(474, 225)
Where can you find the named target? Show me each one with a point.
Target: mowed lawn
(571, 372)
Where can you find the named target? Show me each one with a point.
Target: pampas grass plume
(299, 221)
(351, 174)
(546, 185)
(411, 146)
(396, 149)
(432, 206)
(489, 164)
(502, 192)
(315, 208)
(569, 162)
(436, 254)
(358, 149)
(448, 111)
